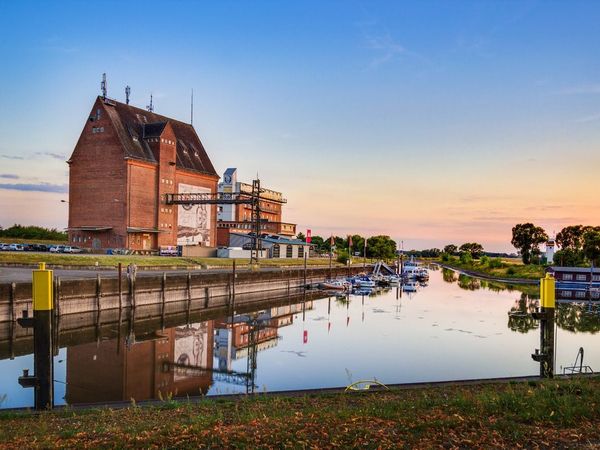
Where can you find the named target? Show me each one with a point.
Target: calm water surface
(453, 328)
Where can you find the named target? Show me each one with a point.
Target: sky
(433, 122)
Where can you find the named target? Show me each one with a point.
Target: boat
(337, 285)
(410, 286)
(364, 282)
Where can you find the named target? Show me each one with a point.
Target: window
(566, 294)
(581, 277)
(276, 253)
(580, 294)
(567, 276)
(595, 277)
(98, 113)
(301, 252)
(289, 251)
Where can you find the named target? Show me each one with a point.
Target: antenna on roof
(127, 92)
(103, 85)
(150, 107)
(192, 109)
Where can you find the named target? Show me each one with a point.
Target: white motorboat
(337, 285)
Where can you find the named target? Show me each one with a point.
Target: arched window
(289, 251)
(276, 251)
(301, 252)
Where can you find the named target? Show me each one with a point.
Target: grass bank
(502, 268)
(548, 414)
(141, 261)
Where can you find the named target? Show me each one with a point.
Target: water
(453, 328)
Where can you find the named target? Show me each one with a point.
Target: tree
(358, 244)
(301, 236)
(450, 249)
(319, 244)
(569, 257)
(526, 237)
(591, 246)
(383, 247)
(473, 248)
(571, 237)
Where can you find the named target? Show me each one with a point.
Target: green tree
(569, 257)
(571, 237)
(319, 244)
(473, 248)
(591, 246)
(358, 244)
(301, 236)
(450, 249)
(526, 237)
(383, 247)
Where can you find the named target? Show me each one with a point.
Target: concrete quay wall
(215, 289)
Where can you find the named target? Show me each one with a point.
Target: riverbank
(52, 260)
(553, 413)
(502, 270)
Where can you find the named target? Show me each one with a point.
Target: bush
(484, 260)
(510, 271)
(445, 257)
(466, 258)
(495, 263)
(342, 257)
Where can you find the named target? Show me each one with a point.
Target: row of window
(166, 210)
(579, 277)
(97, 129)
(579, 294)
(166, 181)
(166, 225)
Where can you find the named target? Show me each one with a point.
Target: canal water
(453, 328)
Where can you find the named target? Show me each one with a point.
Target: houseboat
(576, 283)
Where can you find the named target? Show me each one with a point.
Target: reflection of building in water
(232, 340)
(98, 373)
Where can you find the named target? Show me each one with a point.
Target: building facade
(125, 161)
(275, 246)
(238, 218)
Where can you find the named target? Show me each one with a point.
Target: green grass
(114, 260)
(552, 413)
(510, 268)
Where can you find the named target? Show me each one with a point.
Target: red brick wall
(142, 203)
(97, 183)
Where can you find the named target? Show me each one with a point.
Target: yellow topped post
(42, 289)
(548, 291)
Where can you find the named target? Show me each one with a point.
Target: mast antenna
(103, 85)
(127, 93)
(192, 109)
(150, 107)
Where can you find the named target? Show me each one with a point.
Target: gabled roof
(595, 270)
(133, 125)
(230, 171)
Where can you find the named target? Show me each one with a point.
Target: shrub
(445, 257)
(466, 258)
(342, 257)
(510, 271)
(495, 263)
(484, 260)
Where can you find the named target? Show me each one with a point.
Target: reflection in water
(519, 316)
(579, 317)
(448, 330)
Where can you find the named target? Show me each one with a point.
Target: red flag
(349, 241)
(331, 241)
(305, 337)
(308, 238)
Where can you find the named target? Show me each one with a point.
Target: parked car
(71, 249)
(15, 247)
(56, 248)
(4, 247)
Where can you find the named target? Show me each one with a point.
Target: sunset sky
(432, 121)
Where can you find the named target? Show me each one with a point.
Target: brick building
(238, 218)
(124, 162)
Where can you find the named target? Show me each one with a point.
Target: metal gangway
(578, 367)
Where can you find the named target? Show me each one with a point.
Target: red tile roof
(134, 124)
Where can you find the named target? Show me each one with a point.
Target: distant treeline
(32, 232)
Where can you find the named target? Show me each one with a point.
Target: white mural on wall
(193, 221)
(191, 349)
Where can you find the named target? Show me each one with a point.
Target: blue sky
(429, 121)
